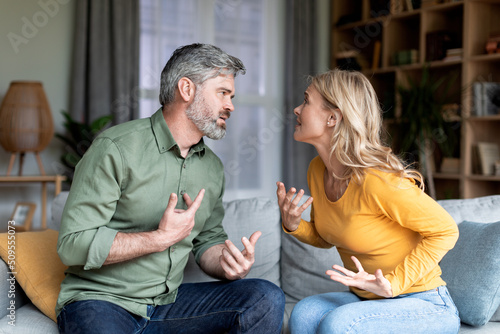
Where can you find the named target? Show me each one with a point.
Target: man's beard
(200, 114)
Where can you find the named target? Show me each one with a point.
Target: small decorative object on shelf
(25, 122)
(451, 112)
(22, 216)
(493, 44)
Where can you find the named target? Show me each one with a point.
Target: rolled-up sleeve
(85, 239)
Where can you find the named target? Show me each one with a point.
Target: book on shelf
(376, 55)
(486, 156)
(437, 43)
(453, 54)
(405, 57)
(409, 5)
(430, 3)
(491, 91)
(486, 98)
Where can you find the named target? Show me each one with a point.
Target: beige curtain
(106, 60)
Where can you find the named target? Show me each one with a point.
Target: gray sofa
(299, 269)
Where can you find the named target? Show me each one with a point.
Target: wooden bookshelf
(398, 29)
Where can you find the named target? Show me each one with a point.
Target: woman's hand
(376, 284)
(290, 211)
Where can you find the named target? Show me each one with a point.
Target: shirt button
(184, 166)
(173, 249)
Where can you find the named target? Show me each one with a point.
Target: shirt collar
(164, 139)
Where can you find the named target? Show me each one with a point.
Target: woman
(389, 233)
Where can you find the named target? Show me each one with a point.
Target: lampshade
(26, 123)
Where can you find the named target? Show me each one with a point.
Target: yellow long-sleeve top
(386, 222)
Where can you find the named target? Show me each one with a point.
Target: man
(126, 245)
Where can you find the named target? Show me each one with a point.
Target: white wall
(35, 44)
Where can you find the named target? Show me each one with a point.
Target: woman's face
(312, 118)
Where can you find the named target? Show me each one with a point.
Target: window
(252, 30)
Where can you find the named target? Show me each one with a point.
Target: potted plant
(422, 126)
(78, 137)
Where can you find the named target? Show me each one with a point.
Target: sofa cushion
(303, 266)
(38, 269)
(242, 218)
(29, 320)
(484, 209)
(472, 271)
(303, 269)
(481, 209)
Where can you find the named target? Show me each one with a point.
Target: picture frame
(23, 215)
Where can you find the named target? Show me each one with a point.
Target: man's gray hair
(197, 62)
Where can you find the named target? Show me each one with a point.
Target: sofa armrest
(13, 296)
(57, 209)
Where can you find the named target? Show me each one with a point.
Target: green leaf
(78, 138)
(100, 123)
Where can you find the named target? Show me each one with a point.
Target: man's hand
(226, 261)
(376, 284)
(176, 224)
(236, 264)
(290, 212)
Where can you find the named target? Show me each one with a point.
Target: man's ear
(186, 89)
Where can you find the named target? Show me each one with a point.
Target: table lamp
(26, 123)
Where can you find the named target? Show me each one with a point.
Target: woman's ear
(334, 117)
(186, 89)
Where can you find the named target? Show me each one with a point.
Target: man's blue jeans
(430, 311)
(242, 306)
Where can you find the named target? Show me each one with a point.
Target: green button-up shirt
(123, 183)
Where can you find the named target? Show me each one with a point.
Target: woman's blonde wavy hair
(356, 140)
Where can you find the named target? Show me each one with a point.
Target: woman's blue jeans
(242, 306)
(426, 312)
